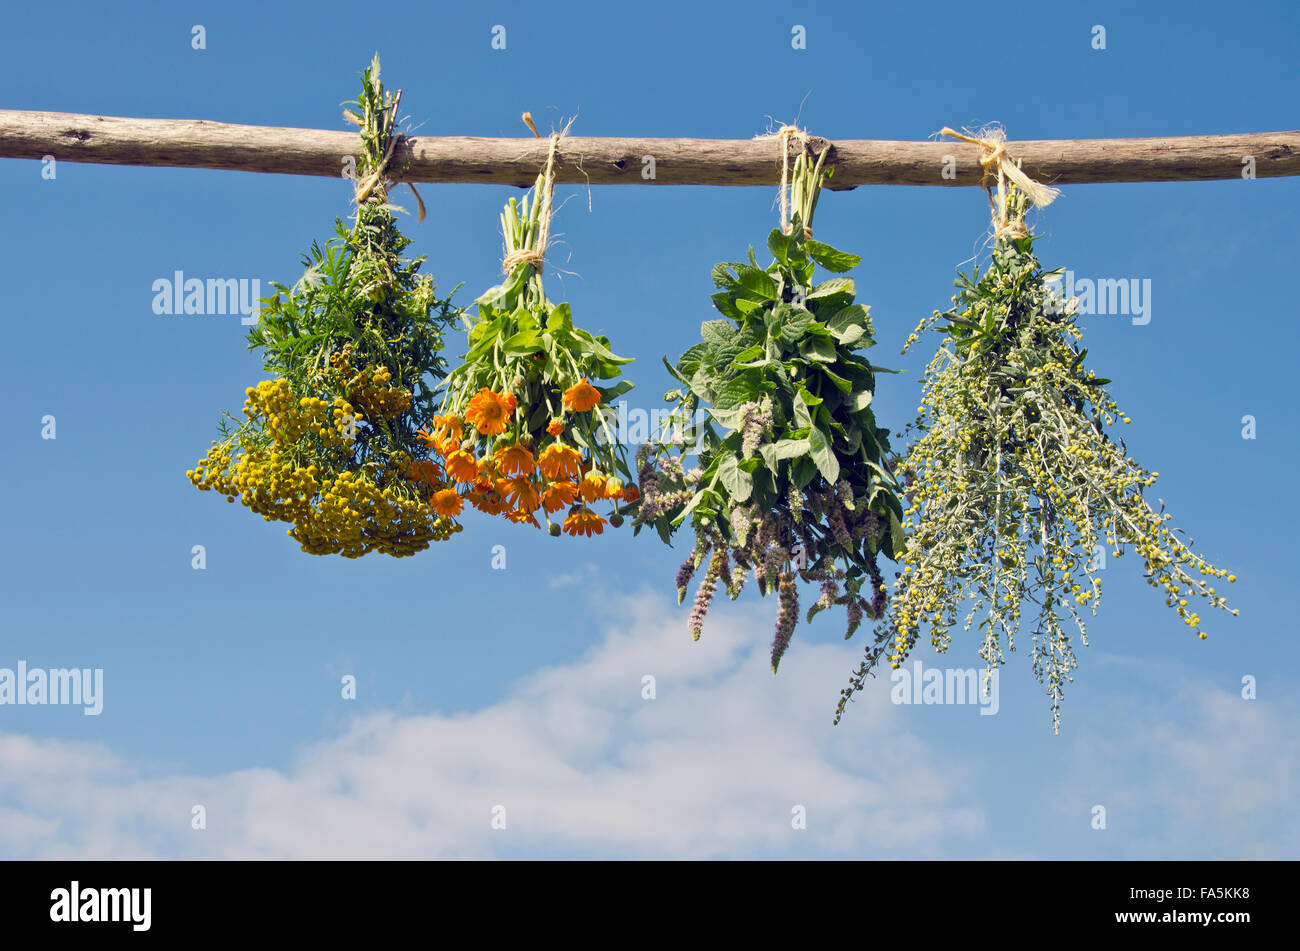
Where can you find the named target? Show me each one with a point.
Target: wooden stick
(111, 140)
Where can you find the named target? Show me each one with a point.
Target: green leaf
(690, 506)
(839, 381)
(779, 245)
(831, 259)
(600, 347)
(801, 415)
(802, 471)
(561, 318)
(721, 275)
(757, 281)
(860, 400)
(820, 450)
(717, 333)
(731, 418)
(608, 393)
(774, 452)
(794, 321)
(850, 323)
(819, 349)
(836, 285)
(807, 397)
(677, 373)
(723, 302)
(735, 480)
(735, 392)
(898, 540)
(523, 343)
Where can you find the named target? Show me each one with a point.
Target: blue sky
(522, 687)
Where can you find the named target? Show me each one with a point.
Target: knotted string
(537, 256)
(993, 142)
(374, 187)
(784, 135)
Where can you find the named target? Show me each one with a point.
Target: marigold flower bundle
(791, 481)
(330, 444)
(523, 430)
(1015, 484)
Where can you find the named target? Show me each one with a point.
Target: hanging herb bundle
(522, 427)
(1015, 483)
(330, 444)
(791, 480)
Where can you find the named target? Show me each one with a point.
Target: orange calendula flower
(631, 494)
(426, 471)
(581, 397)
(592, 487)
(489, 501)
(447, 428)
(490, 412)
(559, 495)
(446, 502)
(515, 460)
(555, 427)
(461, 466)
(584, 522)
(519, 492)
(519, 515)
(613, 489)
(559, 462)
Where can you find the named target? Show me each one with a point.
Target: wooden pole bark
(111, 140)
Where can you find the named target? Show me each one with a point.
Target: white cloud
(711, 768)
(1206, 774)
(583, 765)
(571, 578)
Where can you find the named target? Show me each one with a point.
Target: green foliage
(332, 445)
(524, 345)
(358, 290)
(792, 476)
(1015, 485)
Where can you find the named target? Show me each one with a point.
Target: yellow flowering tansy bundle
(331, 445)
